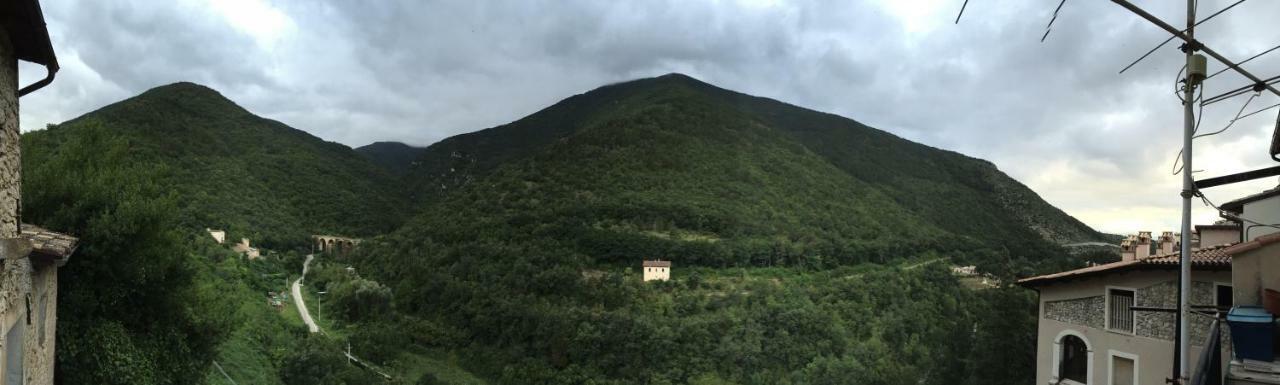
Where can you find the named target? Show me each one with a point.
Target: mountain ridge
(857, 149)
(232, 169)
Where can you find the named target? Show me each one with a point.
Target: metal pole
(1184, 278)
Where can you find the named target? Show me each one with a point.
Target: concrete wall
(1254, 270)
(657, 273)
(1079, 308)
(1262, 211)
(1217, 237)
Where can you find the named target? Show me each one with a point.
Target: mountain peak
(186, 89)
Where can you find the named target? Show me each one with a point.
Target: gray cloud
(1054, 115)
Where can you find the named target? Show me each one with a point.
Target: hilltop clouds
(1055, 115)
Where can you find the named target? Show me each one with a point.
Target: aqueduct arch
(334, 244)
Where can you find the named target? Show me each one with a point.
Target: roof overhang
(24, 23)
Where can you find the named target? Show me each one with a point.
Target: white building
(658, 270)
(219, 236)
(1089, 332)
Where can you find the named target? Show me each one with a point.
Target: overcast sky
(1054, 115)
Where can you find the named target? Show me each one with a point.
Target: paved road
(1079, 244)
(297, 297)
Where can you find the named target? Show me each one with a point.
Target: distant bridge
(334, 244)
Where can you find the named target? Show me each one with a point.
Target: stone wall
(18, 301)
(1091, 311)
(1088, 311)
(10, 161)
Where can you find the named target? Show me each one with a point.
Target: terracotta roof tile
(1208, 258)
(656, 264)
(52, 246)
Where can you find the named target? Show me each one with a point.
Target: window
(1075, 360)
(1119, 310)
(1123, 370)
(1224, 297)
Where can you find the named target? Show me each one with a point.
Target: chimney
(1166, 243)
(1143, 247)
(1126, 249)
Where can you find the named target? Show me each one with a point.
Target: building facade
(1089, 333)
(656, 270)
(29, 256)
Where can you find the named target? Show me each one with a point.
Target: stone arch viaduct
(334, 244)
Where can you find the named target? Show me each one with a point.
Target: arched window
(1074, 365)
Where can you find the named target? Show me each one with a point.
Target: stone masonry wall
(16, 274)
(10, 163)
(1091, 311)
(1088, 311)
(1165, 295)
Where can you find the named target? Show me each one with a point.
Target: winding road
(297, 297)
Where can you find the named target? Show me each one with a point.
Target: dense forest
(808, 248)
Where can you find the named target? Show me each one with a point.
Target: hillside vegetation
(808, 248)
(148, 297)
(530, 233)
(228, 168)
(394, 157)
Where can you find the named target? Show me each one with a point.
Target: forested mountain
(753, 166)
(395, 157)
(808, 248)
(228, 168)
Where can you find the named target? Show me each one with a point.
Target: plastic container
(1252, 331)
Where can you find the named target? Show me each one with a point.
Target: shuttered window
(1119, 312)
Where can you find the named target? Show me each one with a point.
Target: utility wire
(1209, 203)
(1049, 27)
(1260, 110)
(1166, 41)
(1233, 120)
(1239, 91)
(1242, 62)
(966, 3)
(1230, 123)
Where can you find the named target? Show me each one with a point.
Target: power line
(1233, 120)
(1049, 27)
(966, 3)
(1260, 110)
(1166, 41)
(1241, 90)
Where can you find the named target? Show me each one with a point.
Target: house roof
(24, 23)
(49, 246)
(1236, 206)
(658, 263)
(1211, 258)
(1254, 244)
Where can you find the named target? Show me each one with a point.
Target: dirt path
(297, 297)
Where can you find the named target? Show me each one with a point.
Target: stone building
(29, 256)
(245, 249)
(657, 270)
(1088, 332)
